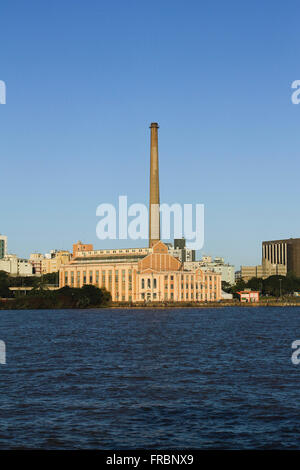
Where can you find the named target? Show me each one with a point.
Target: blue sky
(84, 81)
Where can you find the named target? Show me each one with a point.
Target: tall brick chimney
(154, 216)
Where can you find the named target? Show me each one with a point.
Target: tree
(23, 281)
(4, 285)
(239, 285)
(66, 297)
(226, 287)
(276, 285)
(51, 278)
(256, 283)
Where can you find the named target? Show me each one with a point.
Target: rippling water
(188, 378)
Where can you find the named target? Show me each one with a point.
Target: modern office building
(217, 265)
(57, 259)
(179, 250)
(143, 274)
(283, 253)
(248, 272)
(16, 266)
(11, 264)
(50, 262)
(3, 246)
(36, 261)
(261, 271)
(279, 257)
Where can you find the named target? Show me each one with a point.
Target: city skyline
(228, 127)
(149, 238)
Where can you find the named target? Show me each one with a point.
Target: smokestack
(154, 218)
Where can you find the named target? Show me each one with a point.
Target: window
(97, 277)
(91, 277)
(149, 283)
(129, 279)
(154, 283)
(84, 277)
(66, 277)
(143, 283)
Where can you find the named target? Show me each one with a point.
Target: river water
(125, 379)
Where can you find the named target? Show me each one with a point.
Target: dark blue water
(188, 378)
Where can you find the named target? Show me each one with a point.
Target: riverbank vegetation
(273, 289)
(66, 297)
(273, 286)
(37, 282)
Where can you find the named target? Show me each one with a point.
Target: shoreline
(212, 305)
(5, 305)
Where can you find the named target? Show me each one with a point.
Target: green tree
(4, 285)
(226, 287)
(239, 285)
(51, 278)
(256, 283)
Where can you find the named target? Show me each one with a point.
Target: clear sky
(85, 79)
